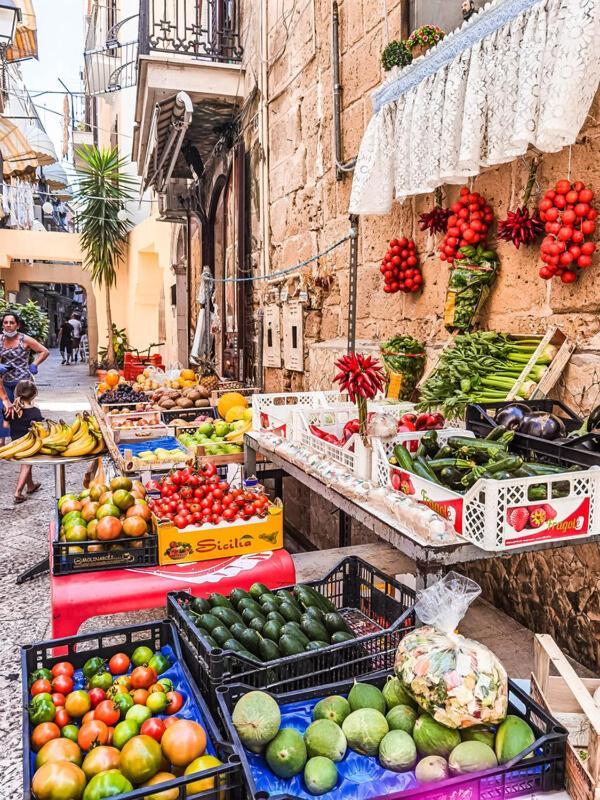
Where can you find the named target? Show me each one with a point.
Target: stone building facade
(308, 211)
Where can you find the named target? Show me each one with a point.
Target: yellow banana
(100, 447)
(80, 448)
(33, 450)
(11, 448)
(76, 425)
(238, 435)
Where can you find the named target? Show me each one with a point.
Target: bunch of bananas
(82, 438)
(237, 436)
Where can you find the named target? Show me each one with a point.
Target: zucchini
(248, 614)
(289, 612)
(276, 616)
(451, 477)
(268, 606)
(257, 624)
(283, 595)
(439, 464)
(221, 634)
(200, 605)
(545, 469)
(268, 650)
(315, 612)
(496, 433)
(318, 599)
(421, 468)
(272, 630)
(314, 630)
(269, 597)
(248, 602)
(227, 615)
(209, 622)
(289, 646)
(212, 643)
(315, 646)
(340, 637)
(258, 589)
(235, 595)
(469, 446)
(238, 629)
(404, 458)
(335, 622)
(445, 452)
(429, 442)
(508, 464)
(293, 629)
(248, 654)
(250, 639)
(216, 599)
(233, 644)
(537, 493)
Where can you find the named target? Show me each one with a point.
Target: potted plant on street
(423, 38)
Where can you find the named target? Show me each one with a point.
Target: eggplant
(512, 416)
(543, 425)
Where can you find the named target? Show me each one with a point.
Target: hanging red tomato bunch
(467, 225)
(400, 267)
(570, 219)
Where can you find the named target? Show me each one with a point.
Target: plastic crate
(480, 420)
(354, 455)
(189, 414)
(540, 768)
(156, 635)
(273, 412)
(376, 607)
(149, 418)
(484, 513)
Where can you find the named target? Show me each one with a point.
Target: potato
(184, 402)
(203, 403)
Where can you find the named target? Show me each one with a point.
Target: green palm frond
(103, 188)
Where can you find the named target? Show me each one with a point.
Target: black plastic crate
(77, 649)
(169, 414)
(376, 607)
(140, 552)
(542, 771)
(564, 452)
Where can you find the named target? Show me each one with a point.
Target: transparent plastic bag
(460, 682)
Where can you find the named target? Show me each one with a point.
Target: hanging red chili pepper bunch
(468, 224)
(436, 220)
(521, 226)
(362, 377)
(400, 267)
(570, 219)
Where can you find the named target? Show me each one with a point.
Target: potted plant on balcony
(423, 38)
(396, 54)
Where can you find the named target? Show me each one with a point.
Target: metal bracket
(353, 284)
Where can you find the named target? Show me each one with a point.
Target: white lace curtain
(520, 73)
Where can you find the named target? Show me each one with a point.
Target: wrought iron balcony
(206, 30)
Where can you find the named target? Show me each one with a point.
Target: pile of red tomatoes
(96, 732)
(189, 497)
(400, 267)
(468, 224)
(570, 219)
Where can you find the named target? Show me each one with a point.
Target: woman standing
(15, 349)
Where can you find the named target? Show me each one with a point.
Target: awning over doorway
(520, 73)
(171, 119)
(25, 44)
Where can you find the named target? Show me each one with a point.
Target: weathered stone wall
(555, 591)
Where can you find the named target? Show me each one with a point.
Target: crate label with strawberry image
(272, 425)
(558, 519)
(443, 501)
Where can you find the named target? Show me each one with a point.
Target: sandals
(19, 499)
(36, 486)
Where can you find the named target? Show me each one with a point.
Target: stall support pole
(352, 285)
(345, 529)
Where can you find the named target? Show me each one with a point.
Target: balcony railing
(208, 30)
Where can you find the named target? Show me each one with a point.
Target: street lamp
(9, 16)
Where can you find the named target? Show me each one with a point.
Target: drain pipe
(263, 125)
(341, 168)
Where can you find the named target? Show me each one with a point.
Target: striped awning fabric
(25, 44)
(24, 147)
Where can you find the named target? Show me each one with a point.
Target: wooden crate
(569, 699)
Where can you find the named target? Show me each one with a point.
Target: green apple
(206, 429)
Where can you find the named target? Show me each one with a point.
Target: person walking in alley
(75, 323)
(65, 342)
(20, 416)
(15, 351)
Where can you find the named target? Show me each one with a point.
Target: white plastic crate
(353, 454)
(273, 412)
(498, 515)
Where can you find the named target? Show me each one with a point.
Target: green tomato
(39, 674)
(167, 683)
(123, 702)
(141, 655)
(123, 732)
(107, 784)
(159, 663)
(70, 732)
(41, 709)
(93, 666)
(139, 714)
(157, 702)
(101, 680)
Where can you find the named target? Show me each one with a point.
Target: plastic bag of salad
(458, 681)
(471, 280)
(404, 359)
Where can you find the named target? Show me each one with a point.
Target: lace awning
(519, 73)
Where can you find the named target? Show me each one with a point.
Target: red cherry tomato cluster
(400, 267)
(569, 217)
(468, 225)
(199, 498)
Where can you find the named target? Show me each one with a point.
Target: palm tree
(103, 189)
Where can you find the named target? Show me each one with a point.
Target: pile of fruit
(144, 419)
(101, 514)
(110, 380)
(177, 422)
(150, 379)
(400, 267)
(81, 438)
(570, 220)
(382, 727)
(232, 406)
(468, 224)
(123, 394)
(199, 497)
(218, 437)
(266, 625)
(109, 727)
(459, 462)
(162, 451)
(167, 398)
